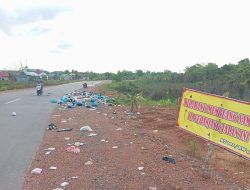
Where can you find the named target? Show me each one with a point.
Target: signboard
(223, 121)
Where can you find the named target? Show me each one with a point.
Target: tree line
(231, 78)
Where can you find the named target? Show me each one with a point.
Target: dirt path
(122, 145)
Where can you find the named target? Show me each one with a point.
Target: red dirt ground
(138, 145)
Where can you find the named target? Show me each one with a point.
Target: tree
(66, 72)
(139, 73)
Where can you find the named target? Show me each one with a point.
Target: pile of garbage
(84, 99)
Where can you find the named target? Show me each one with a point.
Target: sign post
(220, 120)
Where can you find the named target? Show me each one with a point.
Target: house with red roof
(4, 75)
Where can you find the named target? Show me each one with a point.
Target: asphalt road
(20, 135)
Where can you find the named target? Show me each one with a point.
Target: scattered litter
(47, 153)
(88, 163)
(103, 140)
(66, 129)
(52, 126)
(166, 146)
(53, 100)
(168, 159)
(63, 121)
(79, 144)
(86, 128)
(140, 168)
(64, 184)
(50, 149)
(106, 141)
(92, 135)
(66, 138)
(13, 113)
(36, 171)
(155, 131)
(115, 147)
(85, 99)
(56, 115)
(152, 188)
(142, 173)
(74, 177)
(73, 149)
(58, 189)
(131, 142)
(119, 129)
(92, 109)
(104, 114)
(128, 113)
(52, 168)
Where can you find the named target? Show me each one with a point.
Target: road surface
(20, 135)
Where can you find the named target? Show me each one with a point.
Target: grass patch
(137, 89)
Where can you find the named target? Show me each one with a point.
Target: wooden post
(208, 159)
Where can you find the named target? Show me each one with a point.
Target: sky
(112, 35)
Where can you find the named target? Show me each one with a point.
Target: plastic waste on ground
(152, 188)
(169, 159)
(37, 171)
(50, 149)
(53, 100)
(79, 143)
(84, 99)
(52, 126)
(86, 129)
(52, 168)
(140, 168)
(73, 149)
(64, 184)
(88, 163)
(92, 135)
(66, 129)
(13, 113)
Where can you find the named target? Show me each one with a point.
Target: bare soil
(142, 140)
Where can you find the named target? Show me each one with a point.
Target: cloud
(39, 30)
(27, 15)
(55, 51)
(64, 45)
(61, 48)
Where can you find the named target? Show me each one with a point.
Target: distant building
(22, 77)
(36, 73)
(4, 75)
(66, 77)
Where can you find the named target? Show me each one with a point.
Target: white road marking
(13, 101)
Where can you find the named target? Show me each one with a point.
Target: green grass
(162, 102)
(128, 89)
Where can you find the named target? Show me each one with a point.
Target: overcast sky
(115, 35)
